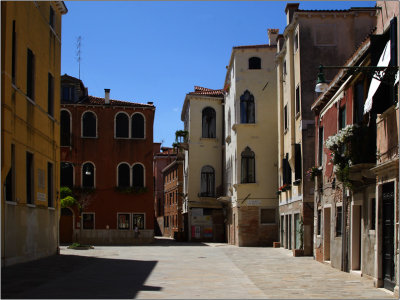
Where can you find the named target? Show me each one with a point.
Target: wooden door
(66, 225)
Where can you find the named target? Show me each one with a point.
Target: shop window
(124, 221)
(267, 216)
(89, 124)
(138, 176)
(137, 126)
(247, 108)
(65, 128)
(88, 220)
(208, 123)
(138, 220)
(254, 63)
(67, 174)
(88, 175)
(121, 125)
(207, 188)
(123, 175)
(248, 174)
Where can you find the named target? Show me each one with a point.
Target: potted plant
(313, 172)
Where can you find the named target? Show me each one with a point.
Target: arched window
(208, 123)
(88, 175)
(122, 125)
(254, 63)
(89, 124)
(123, 175)
(138, 176)
(247, 108)
(137, 126)
(207, 188)
(65, 128)
(67, 174)
(248, 166)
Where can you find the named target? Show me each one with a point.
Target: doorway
(290, 232)
(66, 225)
(388, 236)
(356, 238)
(327, 233)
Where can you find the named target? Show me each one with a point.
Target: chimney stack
(272, 35)
(107, 96)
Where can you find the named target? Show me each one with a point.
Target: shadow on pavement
(76, 277)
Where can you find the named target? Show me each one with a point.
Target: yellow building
(30, 123)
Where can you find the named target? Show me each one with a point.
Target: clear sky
(158, 51)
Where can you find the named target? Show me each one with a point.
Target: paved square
(169, 270)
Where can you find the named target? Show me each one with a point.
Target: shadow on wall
(76, 277)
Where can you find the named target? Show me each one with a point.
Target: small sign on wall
(253, 202)
(41, 197)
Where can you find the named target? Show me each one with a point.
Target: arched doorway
(66, 225)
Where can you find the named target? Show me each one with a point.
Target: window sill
(89, 137)
(214, 140)
(268, 224)
(11, 203)
(31, 205)
(30, 100)
(143, 138)
(51, 208)
(121, 138)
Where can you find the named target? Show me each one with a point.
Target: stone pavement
(171, 270)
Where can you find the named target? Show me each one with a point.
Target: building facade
(30, 89)
(357, 200)
(311, 37)
(202, 115)
(107, 160)
(250, 150)
(161, 159)
(173, 191)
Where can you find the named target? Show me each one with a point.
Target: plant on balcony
(352, 145)
(313, 172)
(285, 187)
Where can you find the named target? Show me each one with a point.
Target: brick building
(107, 159)
(160, 161)
(173, 189)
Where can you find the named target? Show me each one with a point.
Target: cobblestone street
(168, 269)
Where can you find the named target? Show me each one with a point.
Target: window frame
(52, 18)
(372, 214)
(342, 117)
(254, 63)
(129, 221)
(50, 184)
(245, 178)
(297, 100)
(285, 119)
(13, 53)
(73, 172)
(144, 220)
(209, 190)
(70, 127)
(82, 127)
(50, 95)
(130, 175)
(319, 221)
(30, 177)
(94, 220)
(94, 174)
(115, 125)
(30, 75)
(246, 111)
(338, 220)
(209, 128)
(144, 127)
(320, 145)
(144, 174)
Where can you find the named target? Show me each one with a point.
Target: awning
(383, 62)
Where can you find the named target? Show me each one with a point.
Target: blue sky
(158, 51)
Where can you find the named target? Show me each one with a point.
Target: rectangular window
(342, 117)
(296, 42)
(297, 100)
(358, 101)
(52, 17)
(68, 93)
(13, 55)
(124, 221)
(319, 222)
(338, 221)
(284, 67)
(297, 162)
(9, 184)
(138, 220)
(88, 220)
(373, 214)
(320, 145)
(30, 74)
(50, 185)
(267, 216)
(285, 118)
(50, 95)
(29, 178)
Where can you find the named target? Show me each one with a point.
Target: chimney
(272, 35)
(150, 103)
(107, 96)
(289, 10)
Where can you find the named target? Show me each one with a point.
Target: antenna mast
(78, 54)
